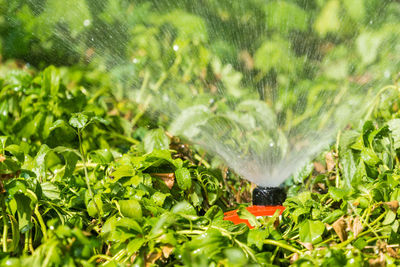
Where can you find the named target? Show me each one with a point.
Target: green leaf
(130, 224)
(214, 213)
(71, 159)
(389, 218)
(183, 178)
(101, 156)
(123, 171)
(16, 151)
(246, 215)
(349, 167)
(185, 208)
(135, 244)
(155, 139)
(394, 126)
(256, 237)
(50, 191)
(24, 211)
(311, 231)
(78, 120)
(333, 216)
(369, 157)
(159, 198)
(303, 173)
(131, 208)
(188, 121)
(3, 141)
(236, 256)
(40, 161)
(95, 205)
(338, 194)
(50, 81)
(360, 243)
(100, 120)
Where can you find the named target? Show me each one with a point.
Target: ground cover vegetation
(91, 177)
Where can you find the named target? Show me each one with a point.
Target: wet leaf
(311, 231)
(183, 178)
(78, 120)
(130, 208)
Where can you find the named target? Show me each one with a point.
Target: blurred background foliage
(233, 46)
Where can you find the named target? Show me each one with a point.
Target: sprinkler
(266, 201)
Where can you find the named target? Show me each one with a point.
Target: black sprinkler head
(268, 196)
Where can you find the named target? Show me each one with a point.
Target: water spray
(266, 202)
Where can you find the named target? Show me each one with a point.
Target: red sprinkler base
(255, 210)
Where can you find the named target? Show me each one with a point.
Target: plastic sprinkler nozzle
(266, 201)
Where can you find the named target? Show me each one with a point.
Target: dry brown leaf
(294, 258)
(319, 167)
(393, 205)
(247, 59)
(384, 247)
(2, 158)
(330, 162)
(393, 253)
(321, 186)
(168, 178)
(152, 257)
(356, 226)
(340, 228)
(307, 245)
(378, 262)
(167, 250)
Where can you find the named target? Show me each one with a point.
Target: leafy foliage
(81, 186)
(84, 181)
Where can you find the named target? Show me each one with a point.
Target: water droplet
(135, 60)
(86, 22)
(51, 227)
(271, 144)
(176, 47)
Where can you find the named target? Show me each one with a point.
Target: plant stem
(348, 241)
(378, 237)
(5, 223)
(83, 156)
(41, 222)
(202, 160)
(99, 256)
(337, 180)
(375, 101)
(282, 245)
